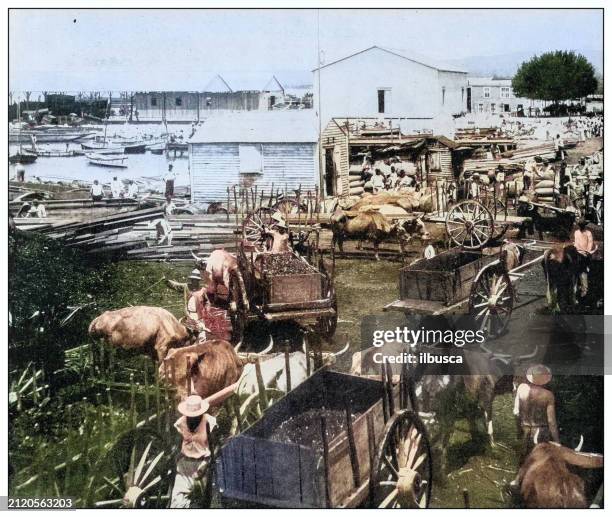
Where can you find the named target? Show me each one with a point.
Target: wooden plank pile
(483, 166)
(545, 150)
(200, 234)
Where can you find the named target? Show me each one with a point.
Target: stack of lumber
(483, 166)
(469, 133)
(200, 234)
(545, 150)
(132, 235)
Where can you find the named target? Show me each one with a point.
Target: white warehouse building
(253, 148)
(381, 83)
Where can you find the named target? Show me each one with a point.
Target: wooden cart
(335, 441)
(478, 285)
(465, 277)
(260, 290)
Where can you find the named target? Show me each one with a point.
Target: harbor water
(147, 167)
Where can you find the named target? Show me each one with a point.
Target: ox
(546, 480)
(367, 225)
(561, 270)
(218, 270)
(152, 330)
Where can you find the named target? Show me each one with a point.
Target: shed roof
(244, 82)
(425, 61)
(258, 127)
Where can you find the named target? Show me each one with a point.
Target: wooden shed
(253, 149)
(345, 142)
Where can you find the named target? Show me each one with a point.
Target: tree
(555, 76)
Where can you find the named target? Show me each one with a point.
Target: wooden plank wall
(335, 137)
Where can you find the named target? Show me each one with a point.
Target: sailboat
(22, 156)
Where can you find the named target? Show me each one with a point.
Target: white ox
(274, 373)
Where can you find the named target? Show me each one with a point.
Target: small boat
(106, 160)
(139, 148)
(158, 149)
(57, 154)
(23, 157)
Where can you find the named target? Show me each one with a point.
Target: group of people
(118, 190)
(32, 209)
(386, 177)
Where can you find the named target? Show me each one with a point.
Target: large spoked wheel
(290, 206)
(237, 310)
(253, 227)
(137, 472)
(469, 224)
(491, 300)
(401, 475)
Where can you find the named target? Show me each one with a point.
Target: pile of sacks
(390, 203)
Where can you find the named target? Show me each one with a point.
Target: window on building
(153, 101)
(443, 94)
(505, 92)
(384, 100)
(178, 101)
(480, 108)
(486, 92)
(492, 107)
(250, 158)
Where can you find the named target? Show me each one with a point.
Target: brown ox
(547, 482)
(212, 366)
(368, 225)
(152, 330)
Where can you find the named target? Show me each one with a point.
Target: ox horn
(503, 357)
(580, 444)
(304, 343)
(340, 352)
(535, 436)
(197, 259)
(237, 347)
(531, 355)
(268, 348)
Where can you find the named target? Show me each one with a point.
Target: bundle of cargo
(509, 167)
(545, 190)
(409, 201)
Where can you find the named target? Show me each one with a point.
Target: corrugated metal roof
(425, 61)
(259, 127)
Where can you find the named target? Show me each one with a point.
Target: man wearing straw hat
(194, 426)
(534, 405)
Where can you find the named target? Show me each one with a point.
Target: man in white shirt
(97, 192)
(169, 178)
(37, 210)
(378, 181)
(132, 191)
(116, 188)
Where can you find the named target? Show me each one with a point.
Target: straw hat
(193, 406)
(281, 224)
(278, 217)
(523, 199)
(539, 374)
(195, 275)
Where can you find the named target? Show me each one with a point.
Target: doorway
(330, 172)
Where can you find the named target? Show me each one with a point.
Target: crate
(445, 278)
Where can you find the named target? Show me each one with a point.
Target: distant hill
(506, 65)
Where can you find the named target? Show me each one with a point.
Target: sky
(80, 49)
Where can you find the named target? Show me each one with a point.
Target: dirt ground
(586, 148)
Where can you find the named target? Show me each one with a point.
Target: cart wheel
(469, 224)
(402, 472)
(137, 472)
(251, 409)
(237, 310)
(326, 325)
(491, 300)
(289, 206)
(255, 223)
